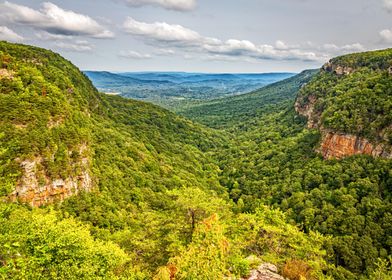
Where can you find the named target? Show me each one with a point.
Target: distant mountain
(104, 79)
(226, 112)
(183, 77)
(172, 89)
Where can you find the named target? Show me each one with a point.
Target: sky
(247, 36)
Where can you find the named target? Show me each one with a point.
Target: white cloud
(134, 55)
(386, 35)
(167, 52)
(77, 46)
(388, 5)
(161, 31)
(53, 20)
(46, 36)
(65, 42)
(244, 48)
(7, 34)
(164, 35)
(280, 45)
(178, 5)
(334, 49)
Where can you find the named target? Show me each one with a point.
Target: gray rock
(265, 271)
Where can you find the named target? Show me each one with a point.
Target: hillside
(54, 119)
(45, 125)
(128, 190)
(274, 159)
(350, 101)
(227, 112)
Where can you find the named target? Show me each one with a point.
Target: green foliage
(44, 101)
(271, 161)
(374, 59)
(37, 245)
(161, 181)
(383, 270)
(274, 164)
(359, 102)
(228, 112)
(205, 258)
(266, 233)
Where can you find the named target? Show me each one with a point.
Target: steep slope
(45, 125)
(350, 102)
(57, 133)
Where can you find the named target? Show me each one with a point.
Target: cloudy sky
(199, 35)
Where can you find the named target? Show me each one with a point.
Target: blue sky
(199, 35)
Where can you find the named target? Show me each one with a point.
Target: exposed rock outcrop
(265, 271)
(6, 74)
(337, 144)
(306, 108)
(340, 145)
(337, 69)
(36, 189)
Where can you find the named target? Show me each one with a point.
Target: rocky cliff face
(339, 145)
(305, 107)
(37, 189)
(311, 104)
(337, 69)
(45, 126)
(336, 144)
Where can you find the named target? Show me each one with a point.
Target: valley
(214, 187)
(178, 89)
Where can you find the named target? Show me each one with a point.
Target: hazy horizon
(187, 72)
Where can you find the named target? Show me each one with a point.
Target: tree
(206, 257)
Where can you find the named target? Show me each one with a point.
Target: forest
(209, 192)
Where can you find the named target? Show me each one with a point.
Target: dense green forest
(173, 198)
(353, 94)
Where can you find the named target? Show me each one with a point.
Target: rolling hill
(233, 110)
(175, 89)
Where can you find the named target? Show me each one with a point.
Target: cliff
(339, 145)
(45, 124)
(36, 188)
(59, 136)
(350, 102)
